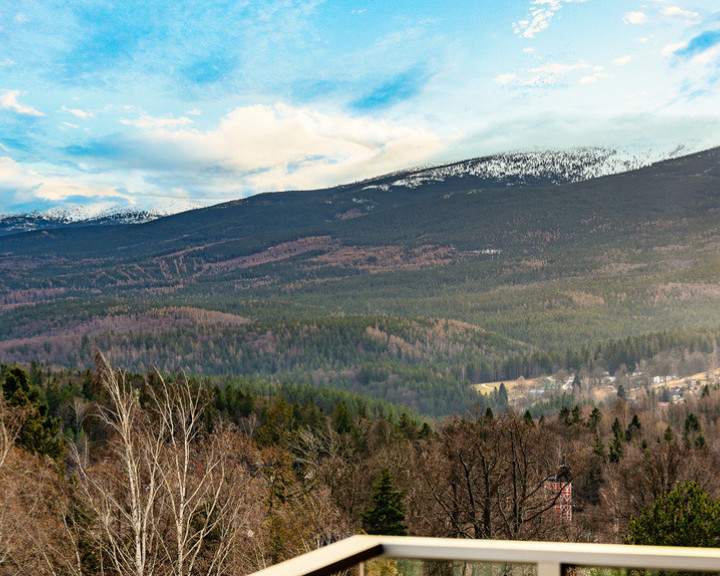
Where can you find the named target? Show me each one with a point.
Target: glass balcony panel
(413, 567)
(595, 571)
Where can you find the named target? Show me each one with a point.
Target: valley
(455, 268)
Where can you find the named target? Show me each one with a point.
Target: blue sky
(137, 103)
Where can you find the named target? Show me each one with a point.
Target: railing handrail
(328, 559)
(578, 554)
(549, 556)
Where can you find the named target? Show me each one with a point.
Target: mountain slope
(274, 227)
(87, 215)
(544, 168)
(530, 268)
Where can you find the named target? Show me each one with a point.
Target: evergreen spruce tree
(593, 480)
(576, 415)
(687, 516)
(502, 397)
(621, 393)
(599, 447)
(39, 432)
(616, 445)
(425, 431)
(564, 415)
(342, 419)
(669, 435)
(692, 432)
(633, 429)
(407, 426)
(616, 450)
(386, 517)
(527, 417)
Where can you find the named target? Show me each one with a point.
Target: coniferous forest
(220, 390)
(414, 288)
(228, 479)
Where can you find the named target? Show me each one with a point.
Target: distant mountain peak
(520, 168)
(536, 167)
(92, 214)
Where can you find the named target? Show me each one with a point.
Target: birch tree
(168, 498)
(123, 490)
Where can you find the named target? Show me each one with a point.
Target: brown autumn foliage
(487, 477)
(164, 487)
(36, 536)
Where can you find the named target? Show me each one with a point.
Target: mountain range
(510, 169)
(409, 287)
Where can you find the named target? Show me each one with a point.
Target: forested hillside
(407, 289)
(89, 458)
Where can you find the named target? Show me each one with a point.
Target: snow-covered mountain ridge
(89, 215)
(534, 168)
(537, 167)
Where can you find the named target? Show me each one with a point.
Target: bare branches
(11, 422)
(123, 491)
(168, 499)
(493, 478)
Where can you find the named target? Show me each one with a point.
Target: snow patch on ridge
(92, 214)
(528, 168)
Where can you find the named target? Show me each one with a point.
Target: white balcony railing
(549, 557)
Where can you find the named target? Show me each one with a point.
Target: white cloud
(26, 185)
(77, 112)
(9, 101)
(591, 79)
(637, 18)
(639, 131)
(556, 68)
(709, 56)
(670, 49)
(622, 60)
(279, 147)
(154, 122)
(551, 73)
(504, 79)
(539, 16)
(677, 12)
(547, 75)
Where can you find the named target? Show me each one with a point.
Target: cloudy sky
(140, 103)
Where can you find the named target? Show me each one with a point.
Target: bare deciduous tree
(123, 490)
(203, 487)
(168, 499)
(11, 421)
(34, 535)
(10, 424)
(489, 479)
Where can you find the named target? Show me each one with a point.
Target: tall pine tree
(39, 432)
(386, 517)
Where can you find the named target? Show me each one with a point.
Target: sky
(143, 103)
